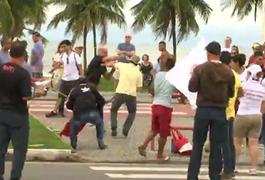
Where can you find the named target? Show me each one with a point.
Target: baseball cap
(135, 59)
(213, 48)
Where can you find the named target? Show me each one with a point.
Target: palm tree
(15, 16)
(165, 15)
(84, 16)
(242, 8)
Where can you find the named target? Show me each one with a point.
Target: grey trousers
(14, 127)
(130, 102)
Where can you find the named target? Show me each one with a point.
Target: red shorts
(161, 119)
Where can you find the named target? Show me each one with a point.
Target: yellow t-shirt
(230, 110)
(130, 78)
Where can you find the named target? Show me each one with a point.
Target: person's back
(216, 83)
(130, 78)
(11, 77)
(163, 90)
(95, 70)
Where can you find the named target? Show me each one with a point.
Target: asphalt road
(78, 171)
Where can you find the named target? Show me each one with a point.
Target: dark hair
(17, 49)
(257, 54)
(162, 42)
(240, 59)
(65, 42)
(146, 56)
(60, 44)
(225, 57)
(36, 34)
(170, 63)
(158, 59)
(236, 48)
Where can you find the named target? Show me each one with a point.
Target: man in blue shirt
(4, 52)
(37, 54)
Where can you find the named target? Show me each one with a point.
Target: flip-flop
(142, 151)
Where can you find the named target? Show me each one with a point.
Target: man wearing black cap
(37, 54)
(86, 102)
(15, 90)
(214, 82)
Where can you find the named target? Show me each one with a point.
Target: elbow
(192, 89)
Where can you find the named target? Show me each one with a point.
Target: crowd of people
(230, 100)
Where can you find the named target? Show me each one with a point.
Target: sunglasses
(127, 36)
(233, 53)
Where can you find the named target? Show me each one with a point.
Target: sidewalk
(141, 97)
(121, 150)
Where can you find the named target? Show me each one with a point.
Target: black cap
(213, 48)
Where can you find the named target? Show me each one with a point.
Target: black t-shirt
(95, 70)
(15, 83)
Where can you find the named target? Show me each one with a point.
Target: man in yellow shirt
(229, 148)
(130, 82)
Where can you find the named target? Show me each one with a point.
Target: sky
(220, 25)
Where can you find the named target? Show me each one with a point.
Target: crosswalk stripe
(154, 169)
(171, 176)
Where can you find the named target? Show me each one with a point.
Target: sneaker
(114, 133)
(52, 114)
(125, 133)
(253, 172)
(102, 146)
(142, 150)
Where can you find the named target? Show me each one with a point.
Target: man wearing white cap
(248, 122)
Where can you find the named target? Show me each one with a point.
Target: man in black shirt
(85, 101)
(97, 68)
(15, 90)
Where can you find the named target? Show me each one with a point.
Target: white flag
(179, 76)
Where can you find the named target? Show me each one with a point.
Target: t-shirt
(4, 57)
(126, 47)
(26, 66)
(130, 78)
(95, 70)
(15, 84)
(243, 76)
(250, 104)
(38, 47)
(157, 67)
(163, 90)
(230, 110)
(70, 64)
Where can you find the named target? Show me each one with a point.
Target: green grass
(42, 138)
(108, 85)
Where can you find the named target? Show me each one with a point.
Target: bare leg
(238, 145)
(254, 152)
(161, 145)
(142, 149)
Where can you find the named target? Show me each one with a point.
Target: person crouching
(86, 102)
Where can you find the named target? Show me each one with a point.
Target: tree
(242, 8)
(165, 15)
(15, 16)
(83, 16)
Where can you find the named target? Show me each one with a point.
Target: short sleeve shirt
(38, 47)
(70, 63)
(126, 47)
(95, 70)
(4, 57)
(15, 84)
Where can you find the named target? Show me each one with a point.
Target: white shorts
(116, 75)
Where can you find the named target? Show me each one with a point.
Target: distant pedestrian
(37, 54)
(15, 90)
(130, 82)
(147, 69)
(4, 52)
(214, 82)
(162, 109)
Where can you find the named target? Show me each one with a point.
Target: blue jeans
(92, 117)
(15, 127)
(229, 148)
(215, 119)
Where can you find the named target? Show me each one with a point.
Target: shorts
(67, 86)
(116, 75)
(161, 120)
(247, 126)
(37, 72)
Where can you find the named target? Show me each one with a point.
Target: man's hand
(121, 57)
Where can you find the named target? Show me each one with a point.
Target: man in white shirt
(248, 122)
(72, 71)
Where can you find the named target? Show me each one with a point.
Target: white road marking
(171, 176)
(154, 169)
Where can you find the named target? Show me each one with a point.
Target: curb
(56, 155)
(48, 155)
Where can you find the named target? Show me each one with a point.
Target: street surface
(143, 109)
(79, 171)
